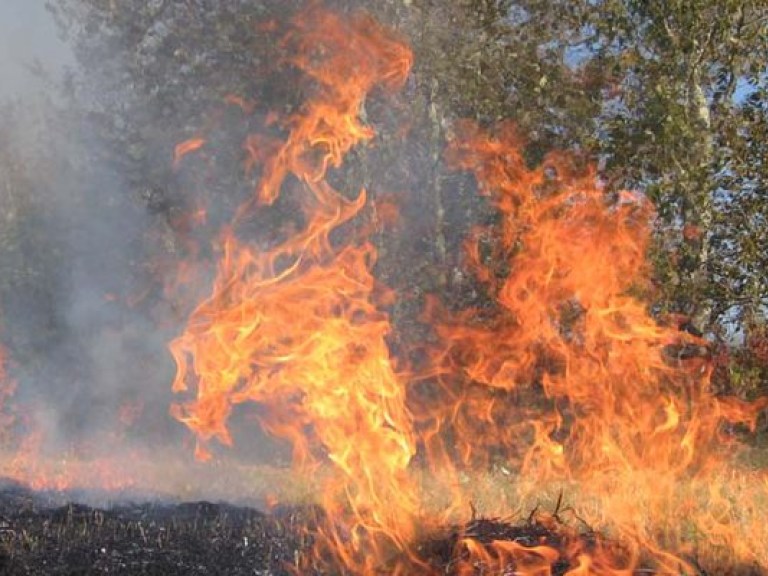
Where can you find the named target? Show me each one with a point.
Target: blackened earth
(40, 536)
(162, 539)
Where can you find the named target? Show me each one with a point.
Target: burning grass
(565, 376)
(42, 535)
(542, 544)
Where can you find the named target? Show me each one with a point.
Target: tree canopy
(668, 98)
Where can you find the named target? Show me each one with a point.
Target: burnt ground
(162, 539)
(40, 536)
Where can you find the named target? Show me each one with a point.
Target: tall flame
(296, 327)
(572, 380)
(568, 379)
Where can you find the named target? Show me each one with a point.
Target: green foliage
(669, 97)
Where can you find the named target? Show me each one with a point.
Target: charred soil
(40, 536)
(162, 539)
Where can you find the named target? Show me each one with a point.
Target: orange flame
(601, 395)
(186, 147)
(245, 105)
(569, 380)
(31, 466)
(22, 451)
(297, 328)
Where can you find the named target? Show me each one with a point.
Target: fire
(598, 393)
(186, 147)
(32, 466)
(240, 102)
(25, 447)
(567, 381)
(298, 327)
(571, 380)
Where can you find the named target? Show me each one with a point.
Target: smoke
(30, 48)
(89, 240)
(94, 236)
(91, 363)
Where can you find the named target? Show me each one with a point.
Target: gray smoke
(82, 313)
(71, 260)
(29, 47)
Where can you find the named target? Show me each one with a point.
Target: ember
(539, 546)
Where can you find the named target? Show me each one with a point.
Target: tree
(680, 118)
(668, 97)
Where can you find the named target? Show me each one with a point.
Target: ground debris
(162, 539)
(41, 536)
(446, 553)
